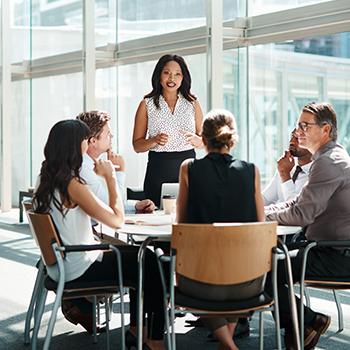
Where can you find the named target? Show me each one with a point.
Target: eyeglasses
(304, 126)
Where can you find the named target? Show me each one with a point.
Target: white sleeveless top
(161, 120)
(74, 229)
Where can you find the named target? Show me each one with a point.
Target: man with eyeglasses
(289, 177)
(323, 208)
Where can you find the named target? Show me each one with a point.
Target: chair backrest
(27, 205)
(43, 230)
(224, 253)
(168, 188)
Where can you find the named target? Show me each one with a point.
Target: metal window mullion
(6, 183)
(284, 100)
(214, 54)
(89, 54)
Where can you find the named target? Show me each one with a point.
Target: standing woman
(168, 113)
(219, 188)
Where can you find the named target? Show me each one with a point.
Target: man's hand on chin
(146, 206)
(285, 165)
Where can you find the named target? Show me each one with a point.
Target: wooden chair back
(224, 253)
(43, 230)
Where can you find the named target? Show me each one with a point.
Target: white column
(6, 183)
(89, 51)
(214, 54)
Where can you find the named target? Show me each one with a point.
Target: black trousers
(163, 167)
(153, 294)
(322, 263)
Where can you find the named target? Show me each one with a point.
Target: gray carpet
(18, 257)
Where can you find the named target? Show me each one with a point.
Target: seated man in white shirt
(100, 141)
(288, 181)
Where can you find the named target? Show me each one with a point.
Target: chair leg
(94, 328)
(98, 313)
(110, 301)
(38, 313)
(261, 331)
(107, 319)
(38, 286)
(307, 297)
(340, 311)
(167, 324)
(52, 321)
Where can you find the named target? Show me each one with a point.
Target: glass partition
(283, 77)
(106, 98)
(233, 9)
(144, 18)
(105, 22)
(56, 27)
(234, 95)
(20, 30)
(21, 138)
(259, 7)
(53, 99)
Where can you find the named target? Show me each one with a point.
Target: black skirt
(163, 167)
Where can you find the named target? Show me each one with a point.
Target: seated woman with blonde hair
(219, 188)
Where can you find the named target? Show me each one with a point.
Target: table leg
(294, 312)
(140, 291)
(20, 207)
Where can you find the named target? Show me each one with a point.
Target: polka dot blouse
(162, 120)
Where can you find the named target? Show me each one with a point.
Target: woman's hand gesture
(192, 139)
(162, 139)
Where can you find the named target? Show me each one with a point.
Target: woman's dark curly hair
(186, 81)
(62, 162)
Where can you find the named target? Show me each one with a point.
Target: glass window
(20, 30)
(106, 97)
(259, 7)
(234, 95)
(53, 98)
(283, 77)
(144, 18)
(56, 27)
(265, 115)
(20, 138)
(134, 81)
(105, 22)
(233, 9)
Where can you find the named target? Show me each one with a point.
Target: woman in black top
(219, 188)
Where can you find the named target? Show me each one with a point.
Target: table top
(154, 224)
(157, 224)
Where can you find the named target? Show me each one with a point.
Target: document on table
(148, 219)
(145, 223)
(155, 224)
